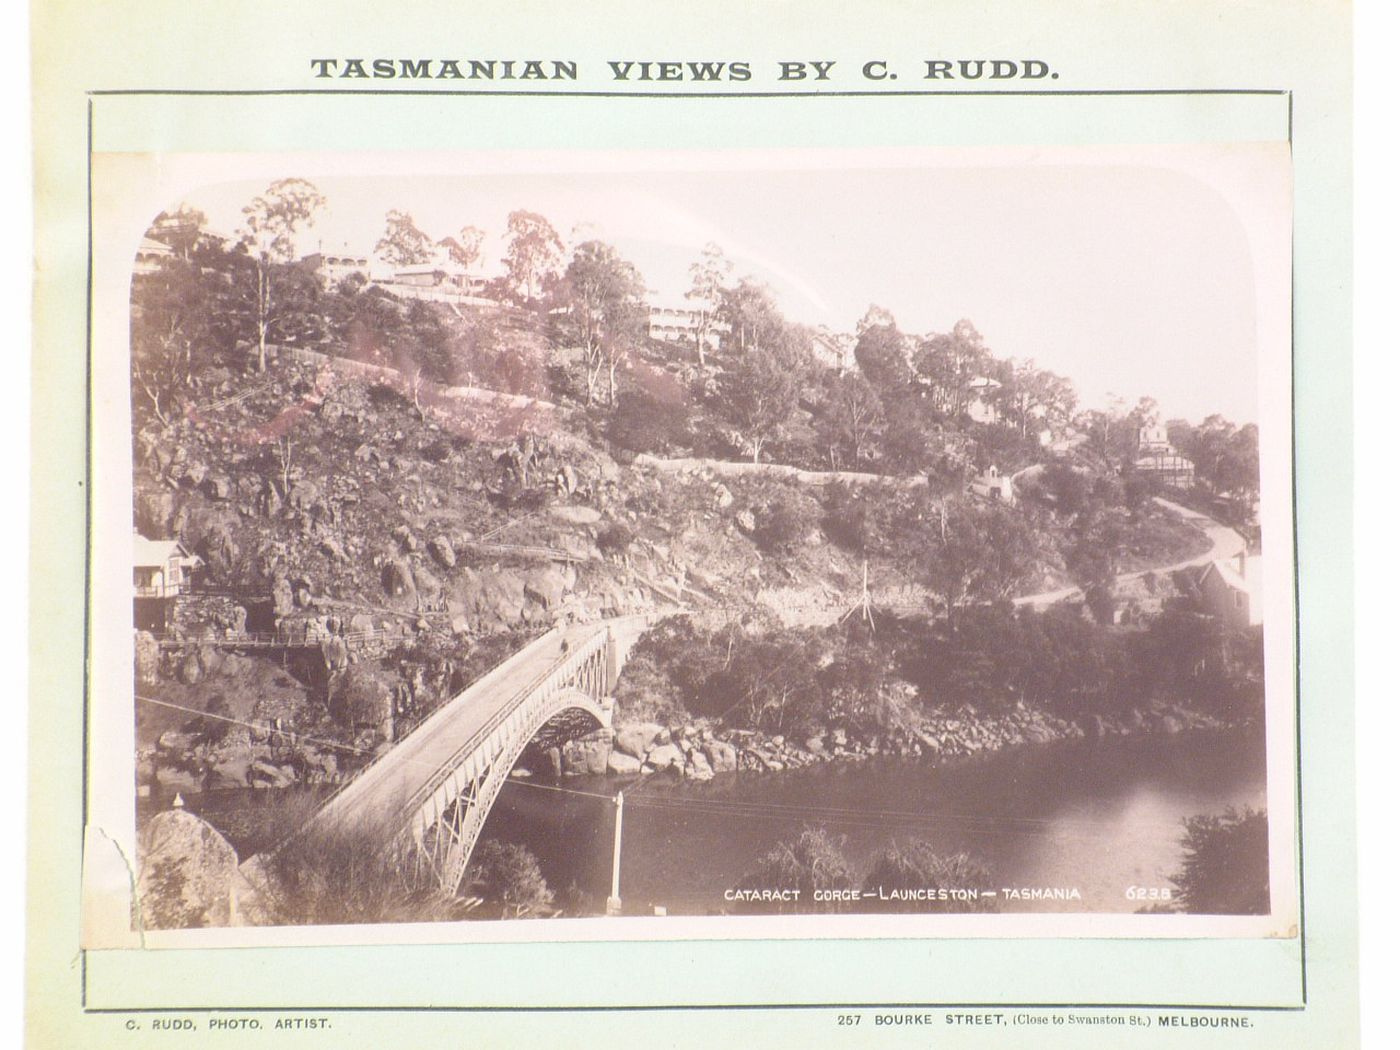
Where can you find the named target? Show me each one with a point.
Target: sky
(1132, 280)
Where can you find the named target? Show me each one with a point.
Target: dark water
(1097, 816)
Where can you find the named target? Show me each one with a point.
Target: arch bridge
(430, 794)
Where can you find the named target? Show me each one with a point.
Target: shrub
(508, 875)
(616, 537)
(348, 875)
(846, 516)
(812, 861)
(644, 423)
(785, 521)
(1225, 870)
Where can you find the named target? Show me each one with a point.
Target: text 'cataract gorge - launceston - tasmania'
(475, 580)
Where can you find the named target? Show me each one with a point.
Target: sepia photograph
(816, 538)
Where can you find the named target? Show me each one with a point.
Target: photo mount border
(1287, 93)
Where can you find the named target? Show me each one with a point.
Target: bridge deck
(380, 793)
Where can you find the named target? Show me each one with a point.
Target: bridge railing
(555, 676)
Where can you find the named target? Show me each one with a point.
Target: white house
(334, 267)
(151, 255)
(1231, 590)
(671, 323)
(835, 350)
(980, 407)
(161, 568)
(992, 484)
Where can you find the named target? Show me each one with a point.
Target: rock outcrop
(187, 871)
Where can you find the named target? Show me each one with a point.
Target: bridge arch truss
(443, 820)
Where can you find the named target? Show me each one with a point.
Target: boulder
(173, 741)
(336, 654)
(576, 515)
(440, 547)
(489, 598)
(190, 670)
(566, 480)
(406, 538)
(620, 763)
(282, 597)
(397, 578)
(428, 586)
(637, 739)
(187, 870)
(155, 510)
(190, 473)
(588, 755)
(304, 494)
(218, 487)
(332, 549)
(363, 696)
(262, 773)
(723, 757)
(697, 766)
(667, 756)
(147, 658)
(546, 587)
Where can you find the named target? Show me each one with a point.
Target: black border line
(710, 1007)
(696, 1007)
(599, 93)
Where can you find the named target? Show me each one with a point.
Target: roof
(156, 552)
(1226, 568)
(150, 246)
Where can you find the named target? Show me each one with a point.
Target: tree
(915, 865)
(979, 554)
(1032, 394)
(947, 364)
(882, 358)
(509, 875)
(848, 418)
(759, 397)
(465, 248)
(750, 312)
(707, 280)
(533, 252)
(403, 243)
(170, 324)
(1225, 868)
(607, 313)
(272, 222)
(875, 317)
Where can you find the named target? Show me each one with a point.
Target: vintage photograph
(666, 543)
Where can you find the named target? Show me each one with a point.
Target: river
(1090, 816)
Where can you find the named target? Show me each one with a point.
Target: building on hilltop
(1155, 457)
(151, 255)
(1230, 590)
(334, 267)
(669, 323)
(834, 349)
(981, 407)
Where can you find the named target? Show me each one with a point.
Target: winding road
(1225, 542)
